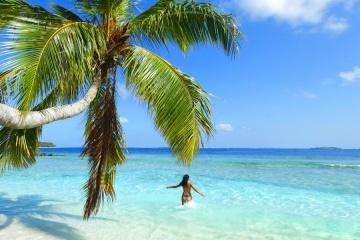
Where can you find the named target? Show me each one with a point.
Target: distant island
(46, 144)
(326, 148)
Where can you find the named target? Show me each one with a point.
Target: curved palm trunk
(15, 119)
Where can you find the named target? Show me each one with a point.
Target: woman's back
(187, 188)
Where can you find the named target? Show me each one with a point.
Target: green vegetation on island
(46, 144)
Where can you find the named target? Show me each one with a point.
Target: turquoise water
(250, 194)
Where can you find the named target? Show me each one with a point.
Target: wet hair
(184, 180)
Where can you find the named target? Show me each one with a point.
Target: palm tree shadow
(32, 211)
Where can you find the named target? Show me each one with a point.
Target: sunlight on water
(249, 195)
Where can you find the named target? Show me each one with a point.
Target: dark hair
(184, 180)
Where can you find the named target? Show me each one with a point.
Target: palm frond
(104, 146)
(19, 10)
(18, 147)
(65, 92)
(65, 13)
(119, 9)
(180, 107)
(3, 94)
(187, 23)
(35, 53)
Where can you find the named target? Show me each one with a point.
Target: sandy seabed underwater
(250, 194)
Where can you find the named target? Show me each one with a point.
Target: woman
(186, 196)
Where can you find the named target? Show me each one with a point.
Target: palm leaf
(104, 145)
(18, 147)
(119, 9)
(65, 13)
(180, 107)
(85, 6)
(187, 23)
(103, 11)
(18, 10)
(36, 50)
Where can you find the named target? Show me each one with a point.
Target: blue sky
(295, 84)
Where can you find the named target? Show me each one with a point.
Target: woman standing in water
(187, 186)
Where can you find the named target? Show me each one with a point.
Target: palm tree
(55, 65)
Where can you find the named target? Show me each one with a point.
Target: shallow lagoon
(250, 194)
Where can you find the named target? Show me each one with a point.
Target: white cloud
(304, 94)
(123, 92)
(351, 76)
(225, 127)
(124, 120)
(294, 12)
(327, 81)
(349, 4)
(334, 24)
(275, 114)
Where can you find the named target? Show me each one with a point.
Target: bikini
(186, 197)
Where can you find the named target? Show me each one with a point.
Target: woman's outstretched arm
(195, 189)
